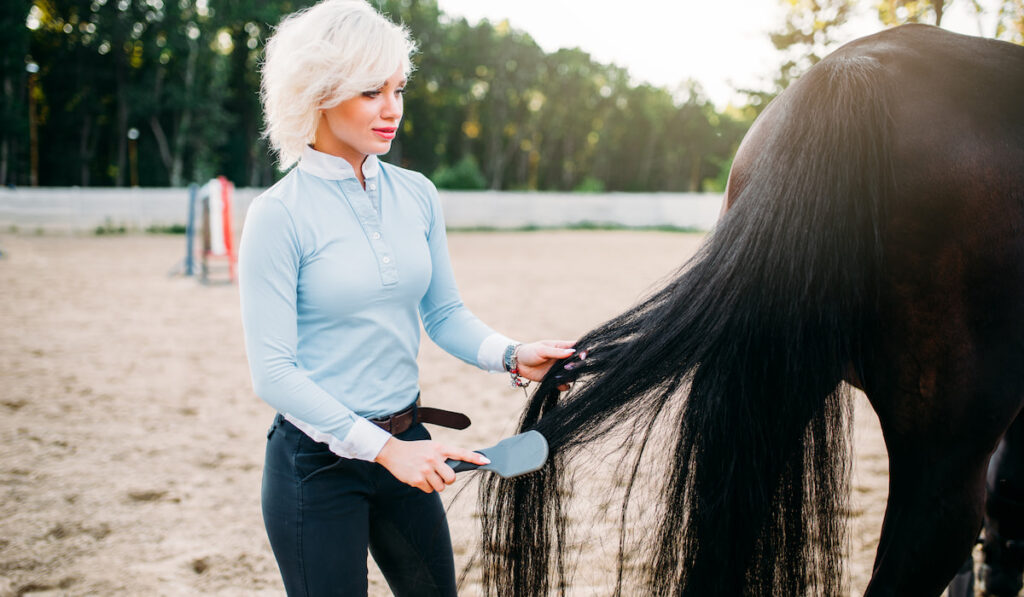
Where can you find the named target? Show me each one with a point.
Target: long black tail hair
(741, 355)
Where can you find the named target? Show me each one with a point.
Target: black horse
(874, 238)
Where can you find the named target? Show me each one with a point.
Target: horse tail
(741, 358)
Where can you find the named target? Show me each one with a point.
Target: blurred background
(508, 95)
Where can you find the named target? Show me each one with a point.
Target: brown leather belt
(402, 421)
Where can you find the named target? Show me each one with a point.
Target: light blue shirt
(334, 280)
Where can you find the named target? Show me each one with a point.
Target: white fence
(86, 209)
(495, 209)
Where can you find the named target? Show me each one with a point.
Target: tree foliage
(163, 92)
(14, 79)
(813, 28)
(1009, 20)
(898, 12)
(808, 34)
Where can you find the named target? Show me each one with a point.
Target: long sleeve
(269, 264)
(448, 322)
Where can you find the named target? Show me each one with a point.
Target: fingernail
(583, 354)
(486, 460)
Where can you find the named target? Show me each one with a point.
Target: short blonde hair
(317, 58)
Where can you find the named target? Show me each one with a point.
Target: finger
(560, 353)
(436, 482)
(424, 486)
(446, 473)
(581, 356)
(467, 456)
(560, 343)
(544, 353)
(564, 387)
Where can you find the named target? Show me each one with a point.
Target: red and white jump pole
(211, 206)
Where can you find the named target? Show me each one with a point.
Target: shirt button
(376, 235)
(386, 260)
(373, 187)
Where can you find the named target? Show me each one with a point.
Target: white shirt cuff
(492, 351)
(363, 442)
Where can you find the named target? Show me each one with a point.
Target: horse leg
(1004, 516)
(943, 409)
(934, 511)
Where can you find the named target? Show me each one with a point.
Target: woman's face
(364, 124)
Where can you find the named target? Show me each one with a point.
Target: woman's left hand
(536, 358)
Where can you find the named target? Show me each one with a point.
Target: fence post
(193, 191)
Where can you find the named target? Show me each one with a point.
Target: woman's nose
(392, 107)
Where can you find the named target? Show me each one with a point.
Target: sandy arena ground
(131, 441)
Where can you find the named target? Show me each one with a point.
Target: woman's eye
(373, 93)
(400, 91)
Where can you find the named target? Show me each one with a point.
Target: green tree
(1010, 22)
(184, 74)
(14, 49)
(433, 106)
(808, 34)
(898, 12)
(108, 67)
(464, 175)
(241, 28)
(1008, 16)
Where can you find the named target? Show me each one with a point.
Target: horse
(873, 238)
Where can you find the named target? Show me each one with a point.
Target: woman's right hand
(421, 463)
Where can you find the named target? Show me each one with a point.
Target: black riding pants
(322, 512)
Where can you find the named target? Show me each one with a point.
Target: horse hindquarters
(945, 368)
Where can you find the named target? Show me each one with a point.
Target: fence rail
(78, 210)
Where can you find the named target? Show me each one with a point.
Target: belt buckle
(387, 423)
(384, 422)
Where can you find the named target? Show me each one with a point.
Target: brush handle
(461, 465)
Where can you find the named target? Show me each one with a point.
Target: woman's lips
(386, 133)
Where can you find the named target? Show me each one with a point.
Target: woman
(339, 262)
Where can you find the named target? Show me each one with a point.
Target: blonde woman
(340, 262)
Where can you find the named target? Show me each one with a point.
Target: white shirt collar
(332, 167)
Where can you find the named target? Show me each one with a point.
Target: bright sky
(723, 44)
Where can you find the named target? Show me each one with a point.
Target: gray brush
(511, 457)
